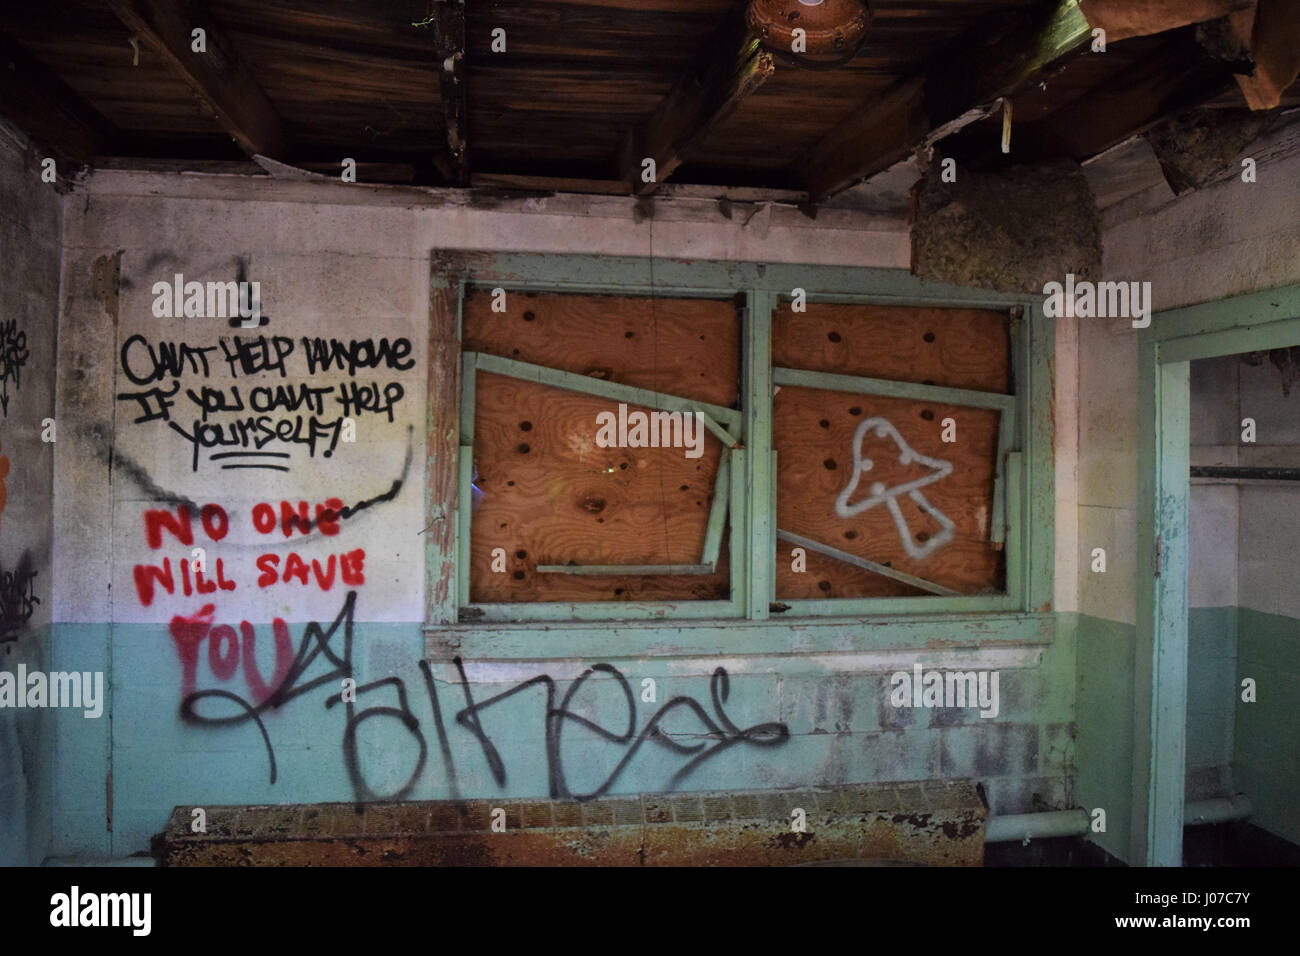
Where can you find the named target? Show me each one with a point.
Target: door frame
(1246, 323)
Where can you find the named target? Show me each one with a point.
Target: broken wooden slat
(218, 76)
(856, 385)
(721, 433)
(857, 562)
(449, 38)
(717, 511)
(600, 388)
(737, 65)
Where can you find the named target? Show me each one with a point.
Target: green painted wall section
(1267, 766)
(1231, 746)
(1105, 724)
(841, 729)
(26, 754)
(1211, 682)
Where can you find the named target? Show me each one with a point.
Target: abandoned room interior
(650, 432)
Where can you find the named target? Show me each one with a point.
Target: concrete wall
(30, 223)
(352, 264)
(1226, 240)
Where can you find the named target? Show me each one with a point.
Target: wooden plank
(47, 109)
(551, 184)
(219, 76)
(954, 352)
(551, 496)
(955, 348)
(760, 480)
(449, 41)
(877, 134)
(889, 125)
(845, 557)
(887, 388)
(609, 391)
(555, 497)
(443, 468)
(686, 347)
(735, 67)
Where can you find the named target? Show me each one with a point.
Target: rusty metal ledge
(933, 823)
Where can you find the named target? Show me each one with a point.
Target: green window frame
(1024, 482)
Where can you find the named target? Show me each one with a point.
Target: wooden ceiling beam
(218, 76)
(449, 39)
(891, 124)
(735, 67)
(48, 110)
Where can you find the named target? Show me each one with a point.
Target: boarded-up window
(547, 493)
(872, 477)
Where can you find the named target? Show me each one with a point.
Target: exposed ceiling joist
(737, 65)
(218, 75)
(47, 109)
(882, 132)
(449, 37)
(1148, 92)
(891, 124)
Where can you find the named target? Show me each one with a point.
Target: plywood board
(550, 495)
(959, 348)
(814, 436)
(686, 347)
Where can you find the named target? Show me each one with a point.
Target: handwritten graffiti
(723, 730)
(324, 659)
(13, 356)
(236, 423)
(938, 469)
(4, 491)
(18, 598)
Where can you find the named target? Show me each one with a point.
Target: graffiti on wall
(4, 491)
(323, 660)
(18, 598)
(933, 469)
(13, 356)
(200, 393)
(196, 528)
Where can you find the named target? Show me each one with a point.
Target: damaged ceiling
(575, 95)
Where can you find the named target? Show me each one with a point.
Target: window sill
(594, 640)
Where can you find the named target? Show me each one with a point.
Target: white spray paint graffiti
(889, 496)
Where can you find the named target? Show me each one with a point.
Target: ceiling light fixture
(829, 27)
